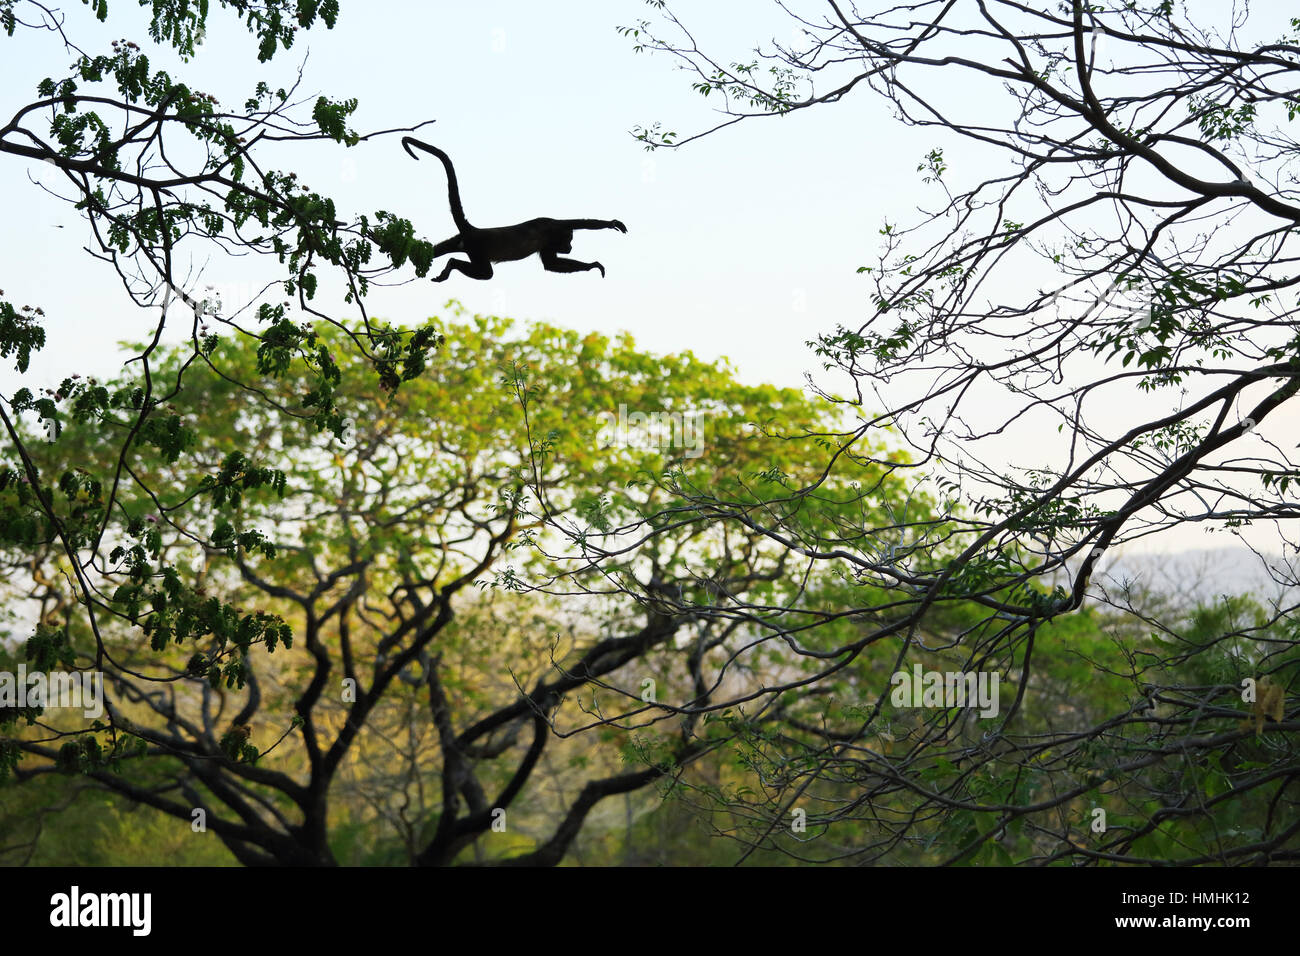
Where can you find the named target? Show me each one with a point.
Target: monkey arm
(454, 244)
(595, 224)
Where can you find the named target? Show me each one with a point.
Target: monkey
(546, 237)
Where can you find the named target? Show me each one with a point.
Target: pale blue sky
(744, 244)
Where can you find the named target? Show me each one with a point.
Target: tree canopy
(297, 629)
(434, 591)
(1088, 339)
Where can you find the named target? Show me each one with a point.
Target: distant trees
(1094, 343)
(358, 676)
(168, 178)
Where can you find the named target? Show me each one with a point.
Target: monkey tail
(453, 187)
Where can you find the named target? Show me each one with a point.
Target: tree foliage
(1088, 339)
(337, 633)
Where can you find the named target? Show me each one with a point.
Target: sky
(744, 244)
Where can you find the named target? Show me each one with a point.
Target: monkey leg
(475, 270)
(553, 263)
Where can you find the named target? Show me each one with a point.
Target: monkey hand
(619, 226)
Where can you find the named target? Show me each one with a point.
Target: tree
(165, 175)
(1091, 344)
(362, 678)
(184, 179)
